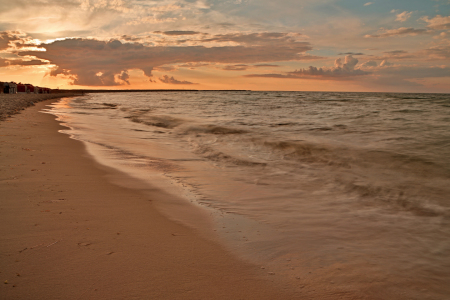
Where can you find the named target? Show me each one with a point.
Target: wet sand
(68, 232)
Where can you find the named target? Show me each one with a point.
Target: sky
(286, 45)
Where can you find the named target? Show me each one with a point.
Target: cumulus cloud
(404, 16)
(172, 80)
(327, 73)
(91, 62)
(342, 70)
(439, 22)
(124, 77)
(397, 32)
(348, 65)
(368, 3)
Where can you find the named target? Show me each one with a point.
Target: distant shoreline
(86, 91)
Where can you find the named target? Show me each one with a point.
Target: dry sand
(67, 232)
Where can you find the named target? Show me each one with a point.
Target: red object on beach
(30, 88)
(21, 88)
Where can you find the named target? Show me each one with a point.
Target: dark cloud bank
(341, 71)
(92, 62)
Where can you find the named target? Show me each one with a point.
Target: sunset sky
(302, 45)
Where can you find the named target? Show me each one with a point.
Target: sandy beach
(69, 233)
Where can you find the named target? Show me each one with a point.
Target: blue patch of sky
(383, 13)
(380, 9)
(301, 14)
(425, 7)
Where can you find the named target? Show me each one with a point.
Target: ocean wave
(311, 150)
(321, 129)
(95, 105)
(157, 121)
(409, 111)
(219, 156)
(110, 105)
(397, 198)
(211, 129)
(283, 124)
(304, 151)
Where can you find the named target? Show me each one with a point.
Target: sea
(337, 194)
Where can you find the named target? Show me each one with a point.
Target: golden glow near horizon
(329, 45)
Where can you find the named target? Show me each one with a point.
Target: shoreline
(69, 233)
(11, 104)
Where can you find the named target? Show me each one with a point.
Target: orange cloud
(438, 22)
